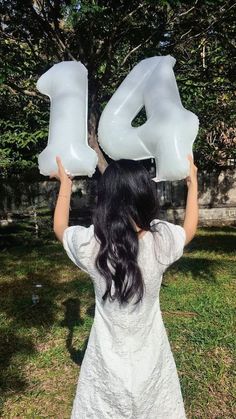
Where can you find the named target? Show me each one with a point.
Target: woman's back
(128, 352)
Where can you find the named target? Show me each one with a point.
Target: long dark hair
(125, 196)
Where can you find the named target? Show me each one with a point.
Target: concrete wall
(217, 199)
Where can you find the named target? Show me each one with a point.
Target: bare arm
(61, 213)
(191, 212)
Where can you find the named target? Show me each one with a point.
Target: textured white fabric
(128, 371)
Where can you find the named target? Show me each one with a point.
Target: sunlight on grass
(42, 345)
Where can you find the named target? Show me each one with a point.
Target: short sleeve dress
(128, 370)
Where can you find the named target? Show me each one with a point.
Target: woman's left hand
(61, 175)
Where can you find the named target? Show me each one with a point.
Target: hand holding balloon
(61, 175)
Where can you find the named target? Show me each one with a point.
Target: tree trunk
(92, 133)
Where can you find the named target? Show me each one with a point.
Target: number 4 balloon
(167, 135)
(170, 130)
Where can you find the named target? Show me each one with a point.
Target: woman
(128, 370)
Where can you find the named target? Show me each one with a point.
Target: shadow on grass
(71, 320)
(23, 324)
(10, 343)
(18, 305)
(23, 234)
(17, 340)
(23, 231)
(201, 269)
(213, 239)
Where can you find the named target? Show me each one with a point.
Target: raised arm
(61, 213)
(191, 212)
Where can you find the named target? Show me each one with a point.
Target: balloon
(170, 129)
(66, 85)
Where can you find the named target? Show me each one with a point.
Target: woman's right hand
(61, 174)
(192, 177)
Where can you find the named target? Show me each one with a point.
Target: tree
(110, 37)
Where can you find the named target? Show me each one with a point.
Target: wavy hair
(125, 196)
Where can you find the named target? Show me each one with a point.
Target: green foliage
(110, 37)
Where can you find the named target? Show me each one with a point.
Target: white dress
(128, 370)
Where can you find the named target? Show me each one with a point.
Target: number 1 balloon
(170, 129)
(66, 85)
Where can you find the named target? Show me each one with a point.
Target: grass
(42, 345)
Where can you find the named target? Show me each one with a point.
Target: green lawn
(42, 345)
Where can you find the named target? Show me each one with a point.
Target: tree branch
(187, 11)
(137, 47)
(131, 13)
(50, 31)
(186, 33)
(13, 88)
(64, 47)
(126, 17)
(221, 16)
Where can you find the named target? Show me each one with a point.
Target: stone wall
(217, 199)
